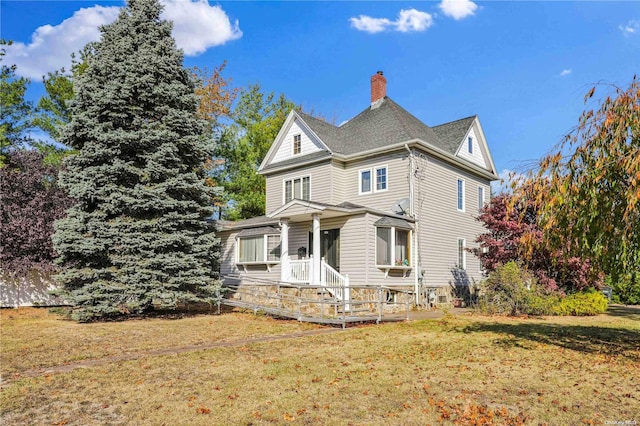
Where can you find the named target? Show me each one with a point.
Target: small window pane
(297, 188)
(402, 248)
(383, 246)
(273, 247)
(480, 198)
(305, 188)
(251, 249)
(288, 191)
(297, 144)
(470, 143)
(381, 179)
(365, 181)
(460, 194)
(461, 254)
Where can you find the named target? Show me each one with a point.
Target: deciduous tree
(257, 119)
(138, 237)
(587, 192)
(31, 203)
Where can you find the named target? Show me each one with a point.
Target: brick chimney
(378, 87)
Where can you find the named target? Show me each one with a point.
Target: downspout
(414, 250)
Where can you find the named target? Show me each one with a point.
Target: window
(462, 254)
(392, 247)
(366, 181)
(297, 144)
(297, 188)
(480, 197)
(381, 178)
(470, 144)
(460, 195)
(259, 249)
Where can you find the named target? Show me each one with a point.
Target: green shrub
(506, 290)
(626, 290)
(582, 304)
(541, 304)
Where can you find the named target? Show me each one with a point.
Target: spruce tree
(137, 238)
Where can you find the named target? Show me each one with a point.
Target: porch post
(285, 268)
(316, 248)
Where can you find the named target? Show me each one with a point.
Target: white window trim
(293, 144)
(284, 192)
(462, 267)
(265, 247)
(481, 201)
(463, 195)
(392, 243)
(374, 179)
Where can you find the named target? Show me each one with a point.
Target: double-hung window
(462, 254)
(297, 144)
(461, 195)
(299, 188)
(393, 247)
(259, 249)
(373, 179)
(480, 198)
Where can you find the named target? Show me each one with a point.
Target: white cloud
(631, 27)
(407, 21)
(565, 72)
(51, 46)
(197, 26)
(458, 9)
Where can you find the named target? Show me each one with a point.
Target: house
(382, 199)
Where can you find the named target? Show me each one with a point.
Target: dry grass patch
(470, 370)
(34, 337)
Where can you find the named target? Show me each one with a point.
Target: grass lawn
(463, 370)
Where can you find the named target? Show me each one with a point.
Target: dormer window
(470, 144)
(297, 144)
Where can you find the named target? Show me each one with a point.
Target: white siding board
(397, 181)
(441, 224)
(321, 185)
(477, 157)
(309, 144)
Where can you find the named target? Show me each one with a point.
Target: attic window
(297, 144)
(470, 144)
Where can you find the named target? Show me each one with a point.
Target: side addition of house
(382, 199)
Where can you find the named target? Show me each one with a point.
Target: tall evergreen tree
(137, 238)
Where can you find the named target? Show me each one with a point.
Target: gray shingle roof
(392, 221)
(377, 127)
(451, 134)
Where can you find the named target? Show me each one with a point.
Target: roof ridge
(455, 121)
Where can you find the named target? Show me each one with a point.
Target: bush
(511, 290)
(581, 304)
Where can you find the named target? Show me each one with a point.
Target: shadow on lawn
(589, 339)
(629, 312)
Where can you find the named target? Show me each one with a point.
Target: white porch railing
(301, 272)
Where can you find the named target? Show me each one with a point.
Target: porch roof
(302, 210)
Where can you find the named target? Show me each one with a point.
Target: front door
(329, 246)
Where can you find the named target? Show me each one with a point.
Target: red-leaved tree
(514, 235)
(30, 203)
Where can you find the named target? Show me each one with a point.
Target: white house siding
(228, 261)
(321, 184)
(309, 144)
(32, 290)
(397, 180)
(478, 155)
(440, 224)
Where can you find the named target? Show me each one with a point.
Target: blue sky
(523, 67)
